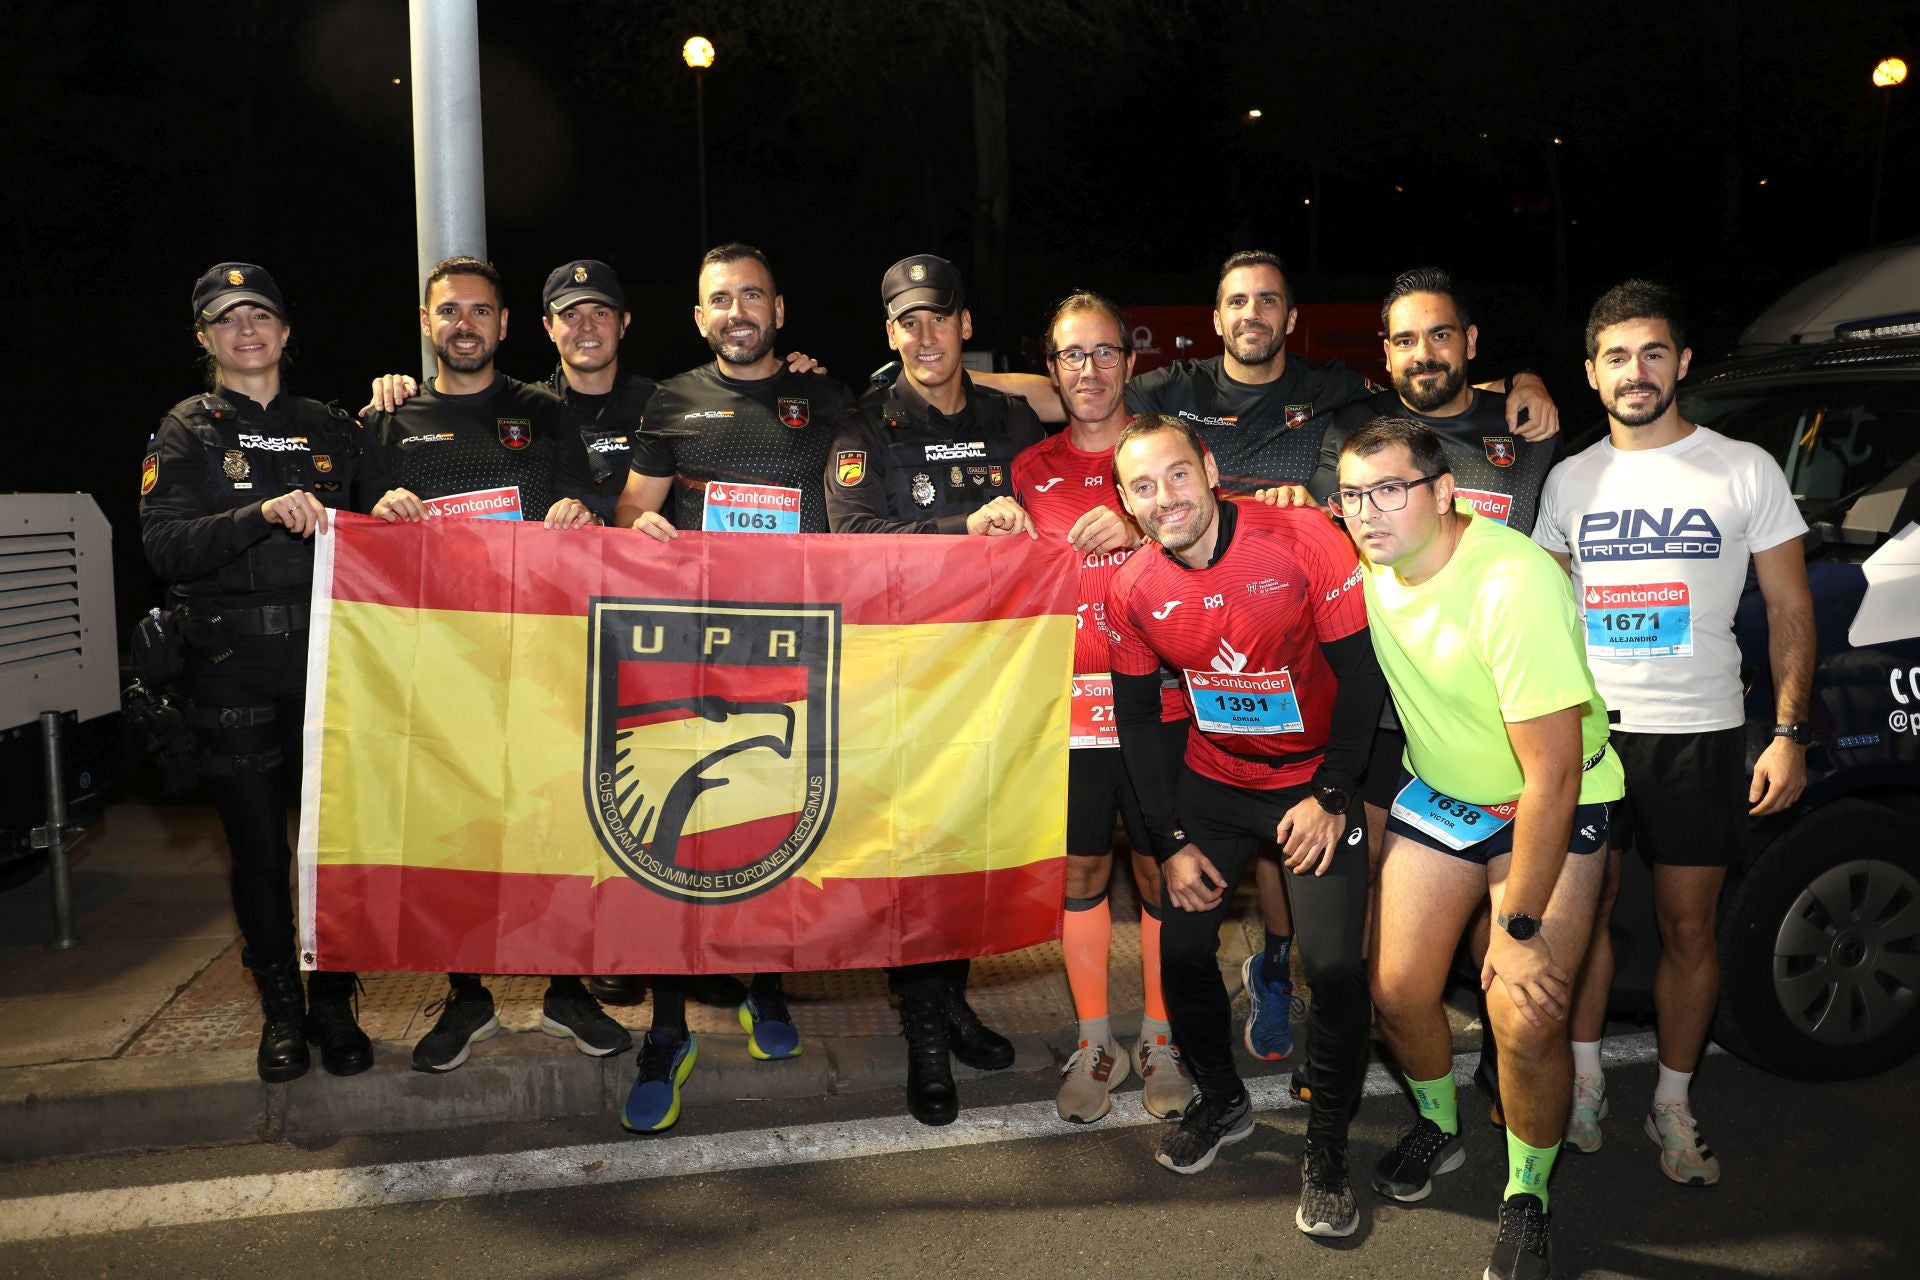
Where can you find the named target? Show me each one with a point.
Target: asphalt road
(1817, 1183)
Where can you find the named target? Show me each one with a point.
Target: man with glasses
(1257, 608)
(1505, 792)
(1066, 484)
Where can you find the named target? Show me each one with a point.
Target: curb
(215, 1099)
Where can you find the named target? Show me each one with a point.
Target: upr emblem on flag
(712, 738)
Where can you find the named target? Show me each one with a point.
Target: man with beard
(1260, 611)
(1066, 484)
(737, 446)
(1658, 523)
(933, 454)
(476, 442)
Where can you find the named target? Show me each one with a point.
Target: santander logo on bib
(1652, 593)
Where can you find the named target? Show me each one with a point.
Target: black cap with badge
(921, 281)
(228, 284)
(587, 280)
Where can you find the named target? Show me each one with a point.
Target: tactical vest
(243, 468)
(923, 488)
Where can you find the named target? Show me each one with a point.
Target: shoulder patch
(149, 472)
(850, 467)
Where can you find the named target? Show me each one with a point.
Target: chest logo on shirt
(1051, 481)
(1167, 608)
(923, 491)
(712, 730)
(149, 472)
(323, 463)
(958, 449)
(515, 433)
(432, 437)
(234, 465)
(273, 444)
(850, 467)
(794, 411)
(1500, 450)
(1229, 659)
(1634, 533)
(1297, 415)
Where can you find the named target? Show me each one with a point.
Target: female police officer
(235, 484)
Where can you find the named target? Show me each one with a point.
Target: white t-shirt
(1660, 540)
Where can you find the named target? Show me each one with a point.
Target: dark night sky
(145, 143)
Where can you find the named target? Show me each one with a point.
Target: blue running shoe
(771, 1034)
(654, 1104)
(1269, 1030)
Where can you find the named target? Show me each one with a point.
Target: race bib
(1454, 823)
(1093, 723)
(1488, 504)
(1244, 701)
(480, 504)
(1654, 620)
(750, 508)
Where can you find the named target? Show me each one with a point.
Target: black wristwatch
(1333, 799)
(1799, 731)
(1519, 926)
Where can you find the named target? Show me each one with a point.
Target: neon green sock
(1528, 1168)
(1437, 1101)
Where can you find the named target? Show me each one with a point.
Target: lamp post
(1887, 73)
(698, 51)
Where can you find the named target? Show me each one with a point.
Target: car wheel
(1820, 947)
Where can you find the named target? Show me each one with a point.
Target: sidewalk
(143, 1036)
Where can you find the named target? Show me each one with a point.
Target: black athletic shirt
(1261, 434)
(607, 424)
(513, 433)
(1495, 470)
(704, 427)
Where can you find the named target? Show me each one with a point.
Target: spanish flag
(584, 751)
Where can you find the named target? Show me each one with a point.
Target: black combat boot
(617, 988)
(344, 1047)
(283, 1041)
(931, 1097)
(973, 1041)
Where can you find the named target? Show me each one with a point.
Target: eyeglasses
(1390, 496)
(1103, 357)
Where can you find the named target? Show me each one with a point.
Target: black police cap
(228, 284)
(921, 281)
(583, 281)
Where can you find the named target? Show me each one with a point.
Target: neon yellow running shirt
(1491, 638)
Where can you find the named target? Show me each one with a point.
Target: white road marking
(86, 1213)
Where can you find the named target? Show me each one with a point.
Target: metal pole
(449, 188)
(1879, 169)
(56, 835)
(700, 137)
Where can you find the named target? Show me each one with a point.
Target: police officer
(933, 453)
(236, 484)
(584, 311)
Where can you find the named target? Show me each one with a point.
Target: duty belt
(268, 619)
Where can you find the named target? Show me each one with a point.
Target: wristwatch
(1519, 926)
(1799, 731)
(1333, 799)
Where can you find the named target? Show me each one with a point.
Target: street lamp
(1887, 74)
(698, 52)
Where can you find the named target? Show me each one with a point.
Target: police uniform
(899, 465)
(238, 588)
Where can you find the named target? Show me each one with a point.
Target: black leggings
(1229, 824)
(262, 687)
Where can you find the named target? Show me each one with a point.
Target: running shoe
(771, 1034)
(1684, 1154)
(1269, 1034)
(1425, 1151)
(1088, 1080)
(1588, 1110)
(1207, 1127)
(570, 1013)
(1524, 1249)
(653, 1105)
(1166, 1090)
(1326, 1196)
(466, 1018)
